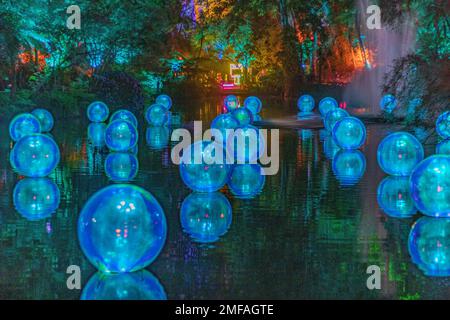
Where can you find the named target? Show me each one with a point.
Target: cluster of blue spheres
(157, 115)
(349, 166)
(121, 136)
(253, 104)
(23, 125)
(394, 197)
(327, 104)
(121, 166)
(243, 115)
(126, 115)
(334, 116)
(349, 133)
(443, 125)
(230, 103)
(306, 103)
(97, 112)
(164, 100)
(45, 119)
(388, 103)
(246, 180)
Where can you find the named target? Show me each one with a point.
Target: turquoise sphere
(206, 216)
(247, 145)
(139, 285)
(224, 122)
(121, 166)
(334, 116)
(203, 166)
(327, 104)
(97, 112)
(349, 166)
(388, 103)
(443, 147)
(96, 134)
(122, 228)
(394, 197)
(443, 125)
(164, 100)
(306, 103)
(253, 104)
(121, 136)
(35, 156)
(45, 119)
(429, 246)
(430, 186)
(123, 114)
(399, 153)
(230, 103)
(349, 133)
(23, 125)
(36, 198)
(157, 138)
(157, 115)
(246, 180)
(243, 115)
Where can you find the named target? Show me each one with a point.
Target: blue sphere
(349, 166)
(246, 180)
(388, 103)
(121, 166)
(349, 133)
(246, 144)
(243, 115)
(121, 136)
(45, 119)
(399, 153)
(123, 114)
(430, 186)
(334, 116)
(429, 246)
(122, 228)
(157, 115)
(231, 103)
(224, 122)
(36, 198)
(96, 134)
(164, 100)
(394, 197)
(23, 125)
(206, 216)
(97, 111)
(443, 147)
(203, 166)
(443, 125)
(327, 104)
(34, 156)
(157, 137)
(253, 104)
(306, 103)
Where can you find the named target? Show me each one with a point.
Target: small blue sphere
(349, 133)
(121, 166)
(45, 119)
(349, 166)
(157, 115)
(388, 103)
(306, 103)
(224, 122)
(399, 153)
(97, 111)
(430, 186)
(96, 134)
(443, 147)
(35, 156)
(230, 103)
(121, 136)
(243, 115)
(164, 100)
(443, 125)
(206, 216)
(157, 137)
(246, 180)
(123, 114)
(334, 116)
(23, 125)
(246, 144)
(394, 197)
(429, 246)
(253, 104)
(327, 104)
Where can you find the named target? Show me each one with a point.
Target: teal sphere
(121, 166)
(243, 115)
(97, 112)
(443, 125)
(247, 145)
(157, 115)
(126, 115)
(121, 136)
(349, 166)
(224, 122)
(231, 103)
(164, 100)
(327, 104)
(399, 153)
(430, 186)
(23, 125)
(246, 180)
(394, 197)
(334, 116)
(157, 138)
(306, 103)
(388, 103)
(122, 228)
(349, 133)
(443, 147)
(45, 119)
(96, 134)
(35, 156)
(253, 104)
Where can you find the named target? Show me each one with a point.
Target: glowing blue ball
(253, 104)
(157, 115)
(122, 228)
(327, 104)
(330, 148)
(157, 137)
(206, 216)
(334, 116)
(430, 186)
(224, 122)
(34, 156)
(399, 153)
(203, 166)
(349, 166)
(394, 197)
(121, 136)
(243, 115)
(443, 125)
(121, 166)
(349, 133)
(96, 134)
(306, 103)
(123, 114)
(97, 111)
(246, 144)
(388, 103)
(45, 119)
(23, 125)
(246, 180)
(36, 198)
(230, 103)
(164, 100)
(443, 147)
(429, 246)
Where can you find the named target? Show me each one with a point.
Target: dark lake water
(305, 236)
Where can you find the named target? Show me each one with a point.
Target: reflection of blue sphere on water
(224, 122)
(157, 137)
(230, 103)
(96, 134)
(206, 216)
(121, 136)
(334, 116)
(45, 119)
(121, 166)
(164, 100)
(394, 197)
(330, 148)
(305, 134)
(349, 166)
(327, 104)
(122, 228)
(443, 125)
(139, 285)
(388, 103)
(430, 186)
(36, 155)
(349, 133)
(243, 115)
(254, 104)
(123, 114)
(23, 125)
(157, 115)
(246, 180)
(97, 111)
(36, 198)
(305, 103)
(399, 153)
(429, 246)
(203, 166)
(443, 147)
(247, 145)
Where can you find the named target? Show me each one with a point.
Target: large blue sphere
(34, 156)
(139, 285)
(45, 119)
(327, 104)
(394, 197)
(443, 125)
(206, 216)
(157, 137)
(122, 228)
(349, 133)
(123, 114)
(121, 136)
(399, 153)
(36, 198)
(334, 116)
(230, 103)
(429, 246)
(243, 115)
(164, 100)
(246, 180)
(96, 134)
(121, 166)
(305, 103)
(224, 122)
(97, 111)
(23, 125)
(349, 166)
(430, 186)
(203, 166)
(246, 144)
(254, 104)
(157, 115)
(443, 147)
(388, 103)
